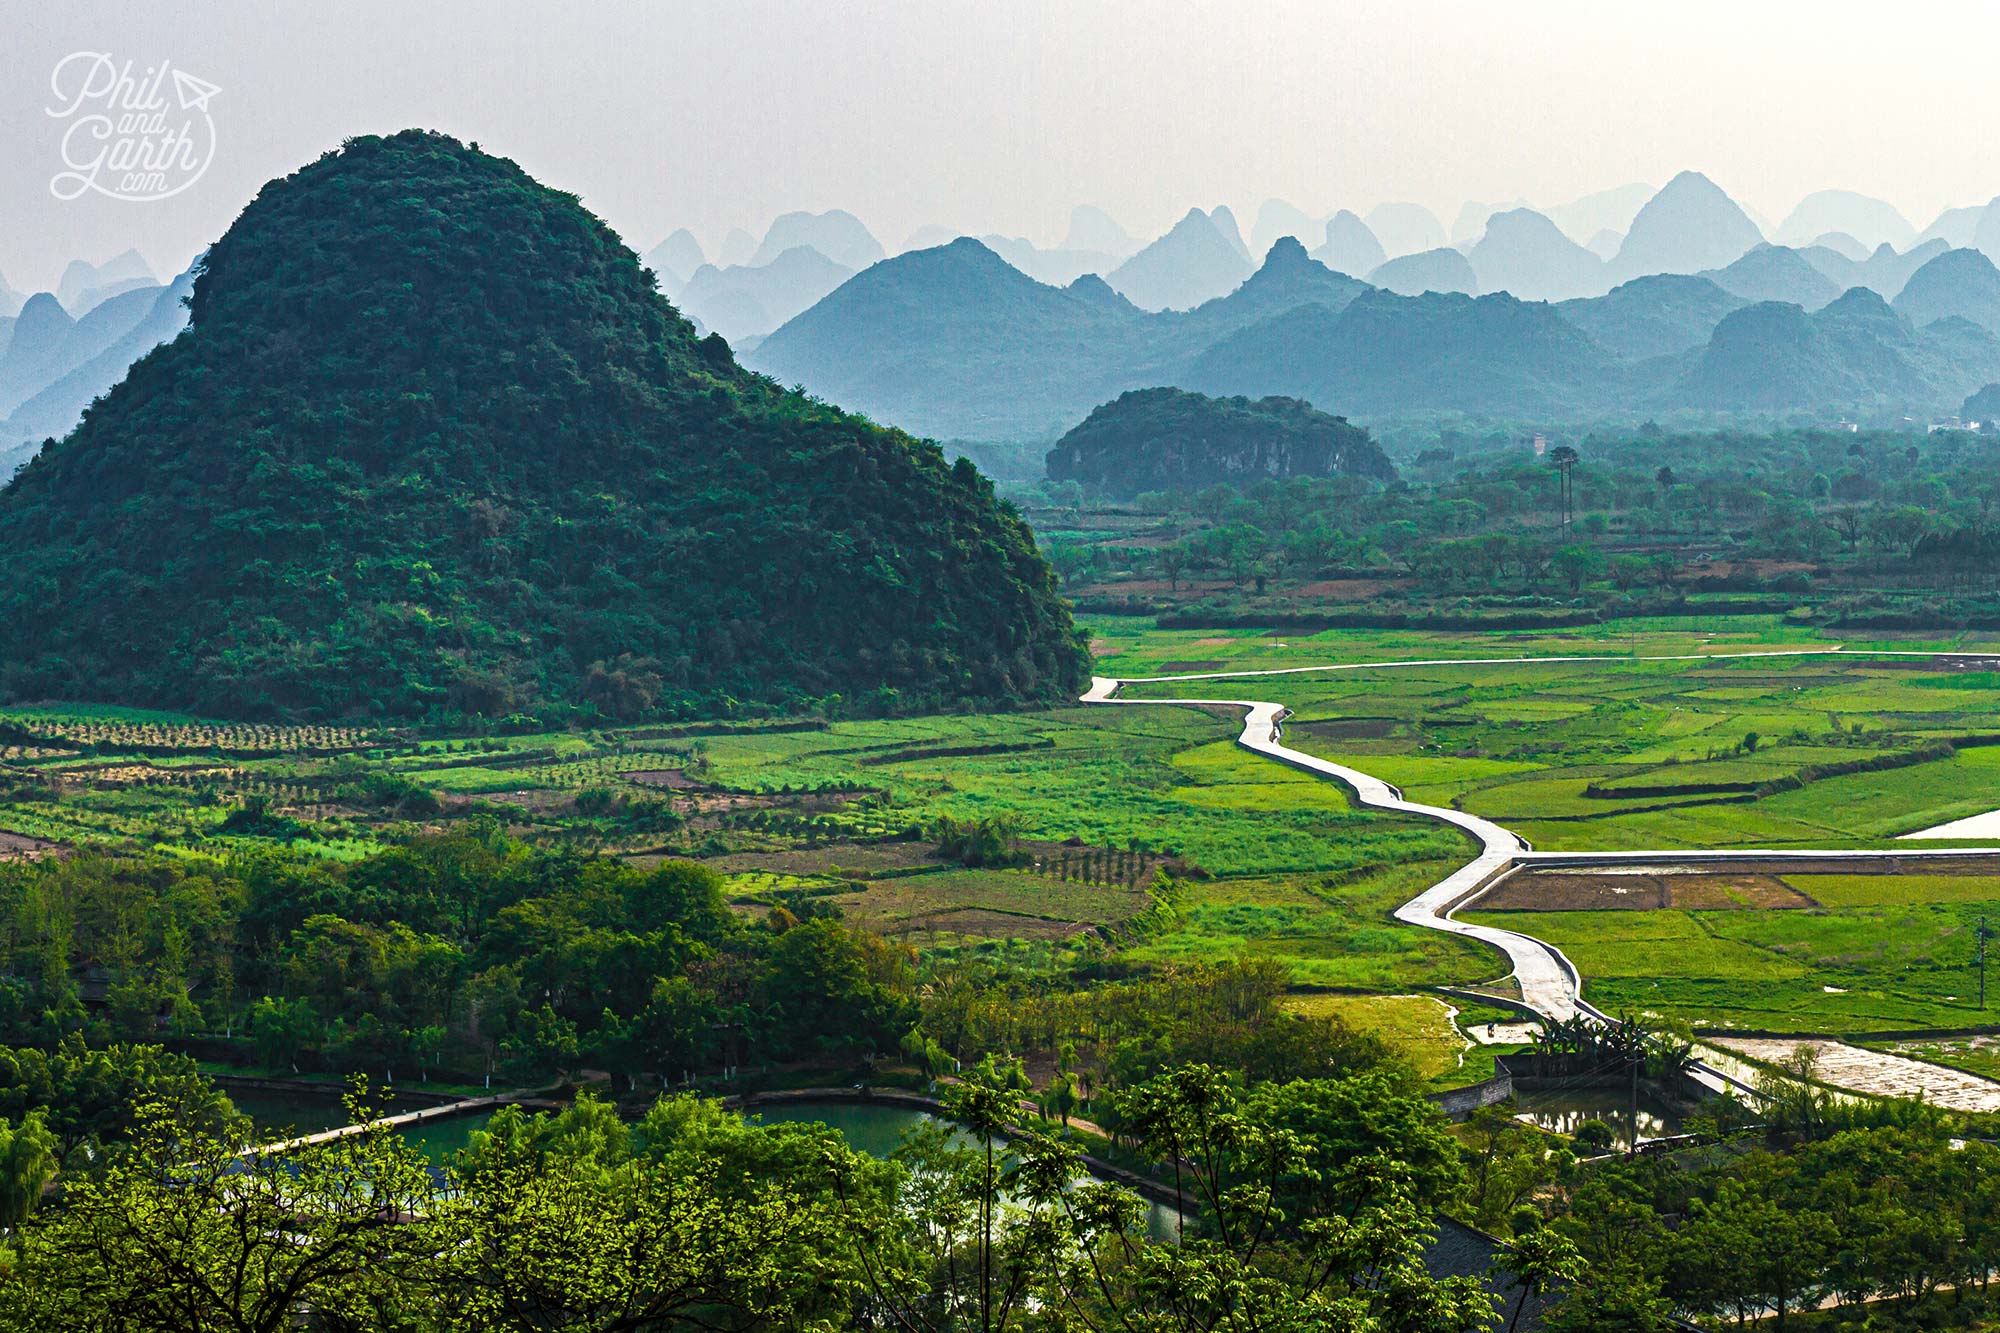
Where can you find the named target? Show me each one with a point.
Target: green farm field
(1860, 969)
(1624, 754)
(1133, 646)
(1419, 1026)
(1269, 863)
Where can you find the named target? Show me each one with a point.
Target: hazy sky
(999, 116)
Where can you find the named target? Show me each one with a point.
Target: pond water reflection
(1562, 1111)
(876, 1130)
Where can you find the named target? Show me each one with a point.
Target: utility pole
(1632, 1143)
(1982, 961)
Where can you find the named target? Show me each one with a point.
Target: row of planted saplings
(197, 736)
(1097, 865)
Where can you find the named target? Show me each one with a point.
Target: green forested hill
(433, 444)
(1168, 439)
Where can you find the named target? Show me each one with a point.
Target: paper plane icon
(194, 93)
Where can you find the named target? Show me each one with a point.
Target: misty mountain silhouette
(835, 234)
(1776, 273)
(1869, 221)
(1963, 283)
(1527, 255)
(1196, 261)
(1439, 270)
(1347, 246)
(1689, 226)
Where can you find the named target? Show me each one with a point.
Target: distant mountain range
(1960, 283)
(1871, 222)
(1405, 229)
(1440, 270)
(84, 285)
(1000, 337)
(749, 300)
(953, 342)
(53, 366)
(1524, 253)
(1856, 353)
(1349, 247)
(1581, 248)
(1203, 257)
(1690, 225)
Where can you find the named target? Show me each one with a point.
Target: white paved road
(1549, 983)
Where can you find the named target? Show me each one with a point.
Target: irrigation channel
(1549, 983)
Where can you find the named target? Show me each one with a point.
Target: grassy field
(1858, 969)
(1164, 779)
(1660, 754)
(1133, 646)
(1273, 863)
(1329, 930)
(1607, 753)
(1418, 1026)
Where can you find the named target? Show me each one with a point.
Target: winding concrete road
(1549, 982)
(1549, 985)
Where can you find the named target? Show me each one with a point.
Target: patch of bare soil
(20, 847)
(1698, 571)
(960, 922)
(1597, 890)
(128, 773)
(1945, 665)
(1352, 590)
(535, 800)
(861, 860)
(726, 802)
(675, 779)
(1186, 588)
(1186, 665)
(1875, 1073)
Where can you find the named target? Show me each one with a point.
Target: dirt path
(1874, 1072)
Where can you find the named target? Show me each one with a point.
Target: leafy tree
(1536, 1263)
(1621, 1300)
(579, 1221)
(1255, 1264)
(179, 1233)
(1577, 564)
(29, 1157)
(89, 1098)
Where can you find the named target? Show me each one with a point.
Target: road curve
(1549, 985)
(1549, 982)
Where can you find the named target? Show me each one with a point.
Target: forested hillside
(433, 445)
(1167, 439)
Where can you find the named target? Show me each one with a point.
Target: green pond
(876, 1130)
(290, 1114)
(1562, 1111)
(873, 1129)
